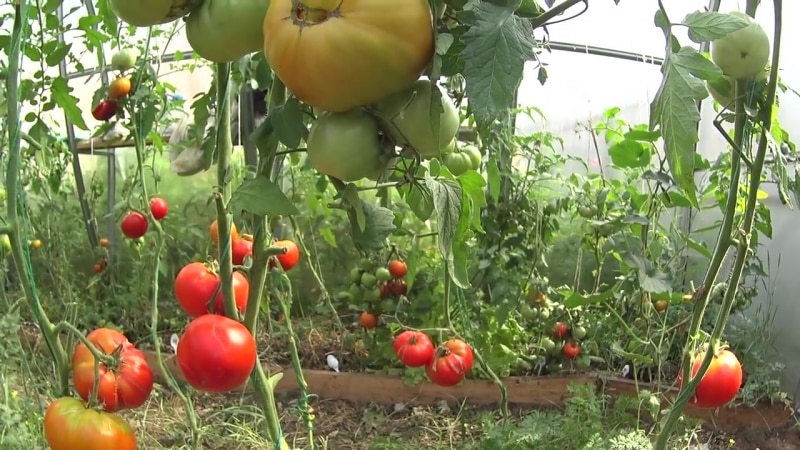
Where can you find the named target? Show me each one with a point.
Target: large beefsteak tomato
(216, 353)
(413, 348)
(411, 113)
(721, 382)
(346, 145)
(70, 425)
(451, 363)
(196, 284)
(226, 30)
(128, 385)
(340, 54)
(146, 13)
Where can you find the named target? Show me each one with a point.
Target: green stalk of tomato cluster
(54, 345)
(743, 246)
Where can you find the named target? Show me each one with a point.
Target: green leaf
(674, 110)
(351, 197)
(378, 225)
(705, 26)
(573, 299)
(472, 186)
(494, 179)
(650, 278)
(55, 52)
(453, 221)
(697, 246)
(496, 47)
(630, 154)
(642, 135)
(420, 200)
(260, 196)
(61, 94)
(287, 121)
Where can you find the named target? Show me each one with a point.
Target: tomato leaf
(473, 188)
(628, 153)
(61, 94)
(674, 110)
(707, 26)
(260, 196)
(420, 200)
(650, 278)
(287, 121)
(574, 299)
(350, 196)
(378, 225)
(453, 221)
(496, 47)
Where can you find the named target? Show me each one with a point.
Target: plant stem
(743, 246)
(46, 327)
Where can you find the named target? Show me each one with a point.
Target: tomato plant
(216, 353)
(397, 268)
(134, 225)
(124, 59)
(158, 208)
(451, 363)
(119, 88)
(457, 163)
(326, 60)
(289, 259)
(742, 53)
(196, 284)
(226, 30)
(346, 146)
(70, 425)
(105, 110)
(721, 382)
(125, 386)
(413, 348)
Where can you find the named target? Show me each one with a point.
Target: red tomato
(560, 330)
(288, 259)
(415, 349)
(158, 208)
(571, 350)
(105, 110)
(70, 425)
(241, 248)
(126, 386)
(368, 320)
(721, 382)
(451, 363)
(134, 225)
(398, 287)
(216, 353)
(196, 284)
(398, 268)
(386, 290)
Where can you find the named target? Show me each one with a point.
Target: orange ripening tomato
(123, 387)
(213, 230)
(70, 425)
(119, 88)
(339, 55)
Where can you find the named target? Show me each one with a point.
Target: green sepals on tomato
(451, 363)
(196, 284)
(328, 61)
(216, 353)
(125, 386)
(412, 124)
(289, 259)
(70, 425)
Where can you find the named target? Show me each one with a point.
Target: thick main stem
(47, 328)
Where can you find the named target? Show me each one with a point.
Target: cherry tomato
(386, 290)
(126, 386)
(105, 110)
(70, 425)
(98, 268)
(195, 284)
(216, 353)
(288, 259)
(721, 382)
(134, 225)
(398, 268)
(158, 208)
(36, 244)
(398, 287)
(241, 248)
(119, 88)
(560, 330)
(103, 242)
(368, 320)
(413, 348)
(570, 350)
(660, 305)
(451, 363)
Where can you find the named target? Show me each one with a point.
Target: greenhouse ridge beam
(553, 45)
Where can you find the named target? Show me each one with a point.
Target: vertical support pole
(88, 218)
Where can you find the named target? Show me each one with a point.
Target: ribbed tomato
(413, 348)
(340, 54)
(451, 363)
(126, 386)
(70, 425)
(721, 382)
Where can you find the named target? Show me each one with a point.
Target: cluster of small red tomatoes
(392, 284)
(217, 353)
(446, 365)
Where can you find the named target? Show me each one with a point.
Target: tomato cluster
(378, 288)
(217, 353)
(446, 365)
(124, 381)
(121, 87)
(134, 224)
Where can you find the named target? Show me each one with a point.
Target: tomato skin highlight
(195, 284)
(721, 382)
(127, 387)
(355, 54)
(134, 225)
(216, 353)
(451, 363)
(413, 348)
(69, 425)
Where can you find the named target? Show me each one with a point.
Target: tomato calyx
(305, 16)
